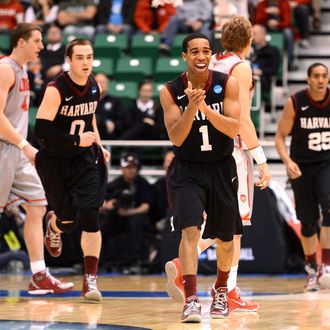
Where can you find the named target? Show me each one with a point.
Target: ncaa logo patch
(94, 90)
(217, 89)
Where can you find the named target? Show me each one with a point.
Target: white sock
(232, 279)
(37, 266)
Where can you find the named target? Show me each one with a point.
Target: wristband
(258, 155)
(22, 144)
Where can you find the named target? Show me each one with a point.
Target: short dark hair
(24, 31)
(314, 65)
(191, 36)
(76, 42)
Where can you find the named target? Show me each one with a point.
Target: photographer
(125, 218)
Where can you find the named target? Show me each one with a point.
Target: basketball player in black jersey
(71, 161)
(201, 112)
(306, 116)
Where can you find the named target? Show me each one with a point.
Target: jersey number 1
(206, 146)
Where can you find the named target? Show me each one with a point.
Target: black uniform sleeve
(48, 135)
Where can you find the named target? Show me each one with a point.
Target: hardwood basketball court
(135, 302)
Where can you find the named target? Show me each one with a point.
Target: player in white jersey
(236, 40)
(20, 184)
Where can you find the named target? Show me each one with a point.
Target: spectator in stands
(53, 55)
(115, 16)
(223, 11)
(144, 120)
(110, 111)
(11, 13)
(126, 214)
(265, 59)
(34, 69)
(316, 11)
(41, 12)
(275, 15)
(192, 16)
(301, 10)
(13, 254)
(76, 17)
(152, 20)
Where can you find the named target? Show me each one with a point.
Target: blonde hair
(236, 34)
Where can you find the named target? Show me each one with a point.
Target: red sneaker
(89, 290)
(174, 285)
(43, 283)
(238, 304)
(53, 241)
(192, 311)
(219, 307)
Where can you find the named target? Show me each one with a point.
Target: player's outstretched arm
(243, 74)
(284, 128)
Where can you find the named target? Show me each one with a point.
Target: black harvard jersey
(311, 129)
(75, 113)
(204, 142)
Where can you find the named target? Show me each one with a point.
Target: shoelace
(52, 278)
(91, 281)
(192, 307)
(57, 282)
(54, 239)
(220, 301)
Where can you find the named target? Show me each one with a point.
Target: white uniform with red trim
(226, 63)
(20, 182)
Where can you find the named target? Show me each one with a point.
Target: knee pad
(89, 219)
(308, 230)
(66, 226)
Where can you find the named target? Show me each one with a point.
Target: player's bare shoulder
(6, 71)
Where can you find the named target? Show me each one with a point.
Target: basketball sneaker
(192, 310)
(89, 290)
(43, 282)
(219, 307)
(324, 276)
(174, 285)
(238, 304)
(312, 283)
(53, 241)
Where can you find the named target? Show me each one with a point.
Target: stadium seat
(276, 39)
(5, 42)
(32, 117)
(68, 38)
(133, 69)
(157, 87)
(110, 45)
(256, 105)
(168, 68)
(104, 65)
(176, 47)
(126, 90)
(145, 45)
